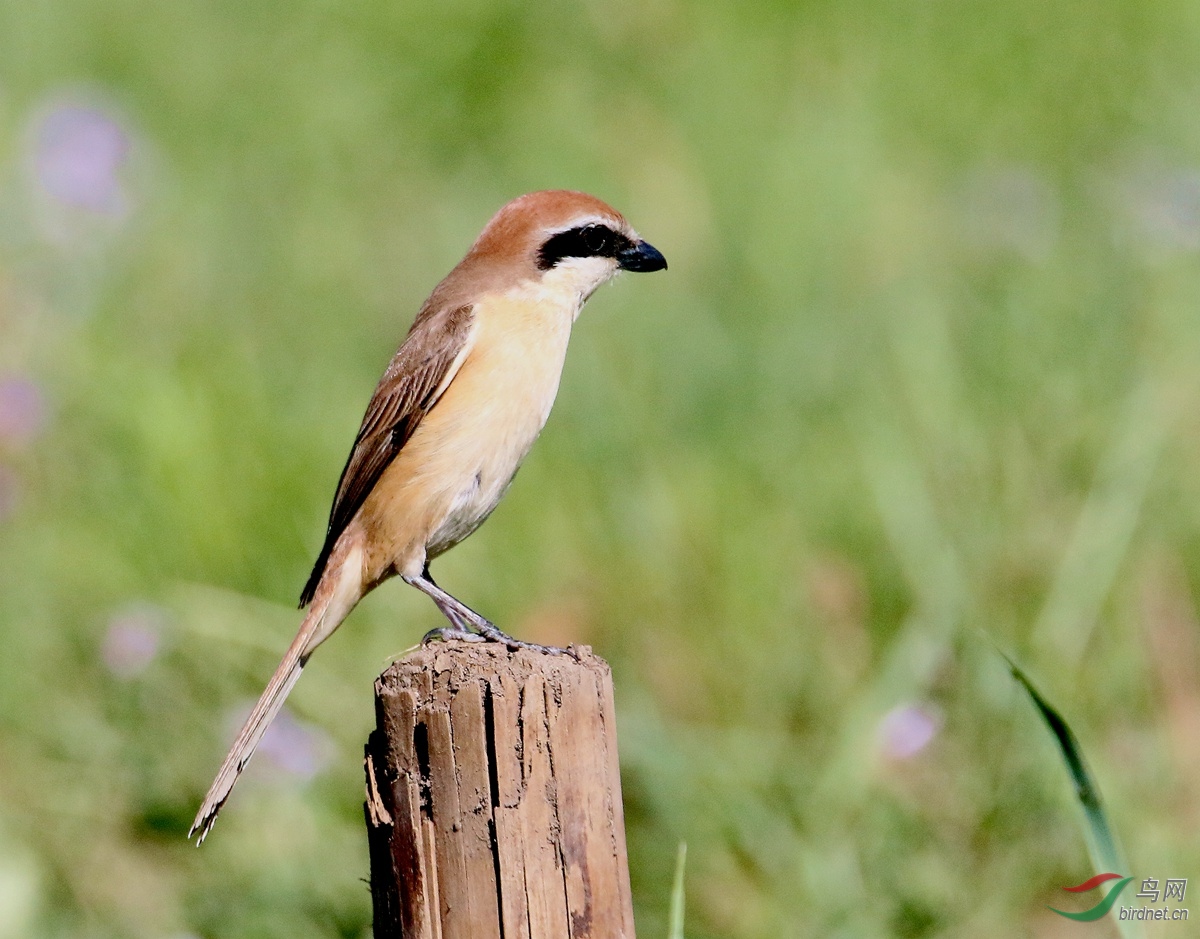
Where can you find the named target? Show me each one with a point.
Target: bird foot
(468, 625)
(493, 633)
(488, 632)
(447, 633)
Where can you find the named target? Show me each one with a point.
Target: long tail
(333, 603)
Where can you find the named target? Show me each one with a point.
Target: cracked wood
(493, 798)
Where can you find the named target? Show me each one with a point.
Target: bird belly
(460, 461)
(469, 509)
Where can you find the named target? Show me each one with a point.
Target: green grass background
(923, 377)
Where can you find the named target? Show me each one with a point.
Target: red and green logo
(1101, 908)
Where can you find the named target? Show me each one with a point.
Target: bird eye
(595, 238)
(586, 241)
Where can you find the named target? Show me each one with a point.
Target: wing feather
(410, 387)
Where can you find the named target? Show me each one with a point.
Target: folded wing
(415, 379)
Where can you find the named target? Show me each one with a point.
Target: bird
(457, 410)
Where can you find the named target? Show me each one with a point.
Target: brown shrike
(454, 415)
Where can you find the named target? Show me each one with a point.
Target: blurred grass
(1104, 846)
(923, 367)
(678, 900)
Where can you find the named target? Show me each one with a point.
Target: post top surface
(457, 661)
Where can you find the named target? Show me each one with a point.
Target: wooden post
(494, 798)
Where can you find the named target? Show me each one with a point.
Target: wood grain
(493, 798)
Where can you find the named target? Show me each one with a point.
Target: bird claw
(491, 633)
(447, 633)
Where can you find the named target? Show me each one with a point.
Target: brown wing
(410, 387)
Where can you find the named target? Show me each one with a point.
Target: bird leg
(459, 629)
(467, 624)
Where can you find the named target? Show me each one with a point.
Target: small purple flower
(1163, 207)
(294, 749)
(10, 493)
(133, 639)
(1011, 208)
(908, 729)
(78, 153)
(22, 410)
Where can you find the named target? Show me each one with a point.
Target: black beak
(641, 257)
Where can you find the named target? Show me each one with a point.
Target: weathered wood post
(494, 798)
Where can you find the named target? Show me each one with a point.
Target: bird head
(559, 240)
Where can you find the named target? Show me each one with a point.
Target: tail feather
(334, 601)
(248, 738)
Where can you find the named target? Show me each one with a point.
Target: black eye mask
(587, 241)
